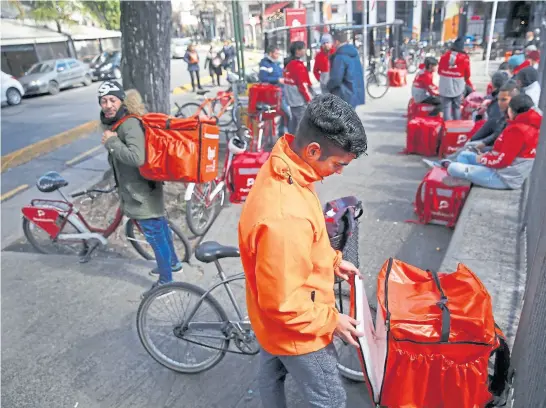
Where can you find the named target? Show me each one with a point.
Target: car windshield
(114, 57)
(41, 68)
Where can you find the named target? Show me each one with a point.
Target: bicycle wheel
(164, 332)
(42, 242)
(377, 85)
(137, 239)
(348, 360)
(412, 66)
(191, 109)
(237, 116)
(227, 117)
(200, 213)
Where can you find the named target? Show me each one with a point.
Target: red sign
(296, 18)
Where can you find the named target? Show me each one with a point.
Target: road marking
(11, 193)
(83, 155)
(34, 150)
(187, 87)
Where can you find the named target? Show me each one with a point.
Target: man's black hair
(430, 61)
(332, 122)
(511, 87)
(341, 35)
(296, 46)
(521, 103)
(527, 76)
(504, 66)
(272, 48)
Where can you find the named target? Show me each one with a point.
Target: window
(62, 66)
(40, 68)
(73, 64)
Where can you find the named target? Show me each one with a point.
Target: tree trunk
(59, 28)
(146, 51)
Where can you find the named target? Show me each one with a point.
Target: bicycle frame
(208, 102)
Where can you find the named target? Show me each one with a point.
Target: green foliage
(52, 10)
(106, 12)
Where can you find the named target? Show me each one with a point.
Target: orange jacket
(287, 258)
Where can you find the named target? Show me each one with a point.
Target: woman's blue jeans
(159, 236)
(466, 167)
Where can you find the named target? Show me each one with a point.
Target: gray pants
(452, 107)
(316, 375)
(297, 114)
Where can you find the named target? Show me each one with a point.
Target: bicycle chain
(215, 348)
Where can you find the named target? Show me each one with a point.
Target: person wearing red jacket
(423, 89)
(297, 84)
(321, 69)
(511, 160)
(454, 73)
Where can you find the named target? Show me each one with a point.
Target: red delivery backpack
(397, 77)
(423, 135)
(244, 168)
(440, 198)
(178, 149)
(433, 340)
(456, 134)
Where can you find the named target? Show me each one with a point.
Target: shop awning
(275, 8)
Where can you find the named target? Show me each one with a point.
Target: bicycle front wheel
(191, 109)
(187, 347)
(377, 85)
(137, 239)
(200, 212)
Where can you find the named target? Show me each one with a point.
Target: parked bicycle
(58, 227)
(377, 83)
(183, 327)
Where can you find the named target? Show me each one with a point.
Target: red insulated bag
(244, 169)
(423, 135)
(440, 198)
(456, 134)
(397, 77)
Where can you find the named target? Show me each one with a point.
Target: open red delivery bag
(433, 340)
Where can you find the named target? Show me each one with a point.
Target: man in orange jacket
(289, 262)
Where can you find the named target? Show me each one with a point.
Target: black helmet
(430, 61)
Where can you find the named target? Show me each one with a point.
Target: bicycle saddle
(263, 107)
(202, 92)
(211, 251)
(50, 182)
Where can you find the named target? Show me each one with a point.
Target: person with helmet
(423, 89)
(454, 72)
(140, 199)
(321, 69)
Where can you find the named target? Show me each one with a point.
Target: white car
(12, 90)
(179, 47)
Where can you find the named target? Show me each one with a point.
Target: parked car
(179, 47)
(109, 69)
(12, 90)
(53, 75)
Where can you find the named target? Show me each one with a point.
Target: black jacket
(496, 122)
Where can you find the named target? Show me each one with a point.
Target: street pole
(490, 41)
(364, 42)
(433, 8)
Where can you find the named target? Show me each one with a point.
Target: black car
(109, 69)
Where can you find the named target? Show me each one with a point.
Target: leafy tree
(107, 12)
(51, 10)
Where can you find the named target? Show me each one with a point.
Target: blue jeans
(452, 107)
(159, 236)
(285, 119)
(467, 168)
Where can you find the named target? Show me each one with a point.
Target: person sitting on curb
(346, 75)
(517, 62)
(527, 80)
(297, 84)
(321, 69)
(423, 89)
(140, 199)
(289, 262)
(271, 73)
(511, 160)
(454, 73)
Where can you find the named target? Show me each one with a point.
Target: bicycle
(212, 333)
(377, 79)
(67, 231)
(204, 201)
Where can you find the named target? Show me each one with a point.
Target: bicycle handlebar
(94, 190)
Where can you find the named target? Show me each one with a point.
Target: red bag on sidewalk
(432, 341)
(440, 198)
(423, 135)
(456, 134)
(244, 168)
(397, 77)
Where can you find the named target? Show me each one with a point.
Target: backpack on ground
(433, 340)
(440, 198)
(424, 135)
(178, 149)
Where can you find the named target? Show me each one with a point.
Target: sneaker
(175, 268)
(445, 163)
(431, 163)
(155, 285)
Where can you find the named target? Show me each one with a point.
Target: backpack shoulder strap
(122, 120)
(500, 381)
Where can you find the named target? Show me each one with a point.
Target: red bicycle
(58, 227)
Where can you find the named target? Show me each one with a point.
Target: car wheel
(87, 80)
(117, 73)
(13, 96)
(53, 88)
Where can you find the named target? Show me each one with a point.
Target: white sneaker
(431, 163)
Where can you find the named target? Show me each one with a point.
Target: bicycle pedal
(92, 246)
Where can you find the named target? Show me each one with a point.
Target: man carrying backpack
(140, 199)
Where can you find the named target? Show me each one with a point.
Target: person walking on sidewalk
(454, 73)
(214, 64)
(288, 260)
(229, 56)
(321, 69)
(140, 199)
(192, 59)
(346, 75)
(297, 84)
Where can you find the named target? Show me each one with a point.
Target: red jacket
(524, 64)
(518, 141)
(424, 80)
(454, 72)
(322, 62)
(297, 83)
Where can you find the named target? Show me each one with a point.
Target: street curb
(32, 151)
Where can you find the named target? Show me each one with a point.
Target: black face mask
(119, 114)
